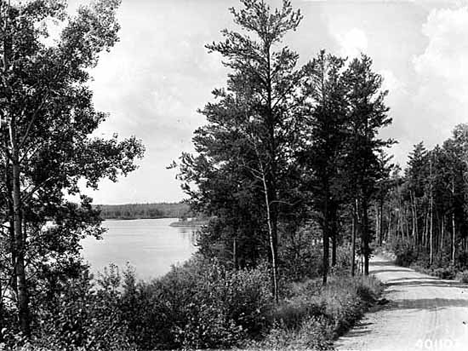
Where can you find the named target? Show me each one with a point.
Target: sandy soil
(424, 313)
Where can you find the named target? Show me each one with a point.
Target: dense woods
(423, 215)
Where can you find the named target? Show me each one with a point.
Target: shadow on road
(417, 281)
(428, 304)
(412, 296)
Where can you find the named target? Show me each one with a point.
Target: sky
(154, 80)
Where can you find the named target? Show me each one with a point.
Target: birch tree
(46, 148)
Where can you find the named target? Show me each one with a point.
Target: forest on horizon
(145, 210)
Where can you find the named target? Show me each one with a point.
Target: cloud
(392, 83)
(442, 70)
(152, 83)
(352, 43)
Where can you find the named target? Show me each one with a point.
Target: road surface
(424, 313)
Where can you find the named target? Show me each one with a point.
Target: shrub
(463, 276)
(201, 304)
(226, 306)
(423, 270)
(445, 273)
(291, 314)
(79, 316)
(314, 315)
(404, 253)
(314, 333)
(300, 253)
(462, 260)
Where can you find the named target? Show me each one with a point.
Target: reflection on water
(150, 245)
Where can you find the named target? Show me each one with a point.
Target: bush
(314, 333)
(463, 276)
(314, 315)
(445, 273)
(291, 314)
(79, 316)
(347, 298)
(404, 253)
(201, 304)
(462, 260)
(300, 253)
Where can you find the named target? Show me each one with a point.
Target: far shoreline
(189, 224)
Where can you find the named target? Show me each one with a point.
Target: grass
(314, 316)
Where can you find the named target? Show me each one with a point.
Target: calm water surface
(150, 245)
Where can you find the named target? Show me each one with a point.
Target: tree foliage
(427, 214)
(285, 148)
(47, 146)
(243, 162)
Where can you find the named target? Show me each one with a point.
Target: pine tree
(368, 114)
(247, 144)
(323, 139)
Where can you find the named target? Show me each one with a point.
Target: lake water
(149, 245)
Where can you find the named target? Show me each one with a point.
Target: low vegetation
(314, 315)
(198, 305)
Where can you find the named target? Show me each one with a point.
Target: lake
(149, 245)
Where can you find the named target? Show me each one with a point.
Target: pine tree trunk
(334, 232)
(353, 239)
(453, 241)
(365, 236)
(431, 220)
(381, 221)
(453, 251)
(377, 223)
(326, 241)
(425, 231)
(442, 234)
(333, 258)
(234, 253)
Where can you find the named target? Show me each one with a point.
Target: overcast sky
(159, 74)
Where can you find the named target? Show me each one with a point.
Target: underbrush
(314, 315)
(463, 276)
(405, 255)
(200, 305)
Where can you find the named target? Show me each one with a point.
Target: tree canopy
(283, 145)
(47, 145)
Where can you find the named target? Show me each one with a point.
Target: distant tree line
(148, 210)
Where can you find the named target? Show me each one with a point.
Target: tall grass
(313, 316)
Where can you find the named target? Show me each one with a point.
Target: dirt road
(424, 313)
